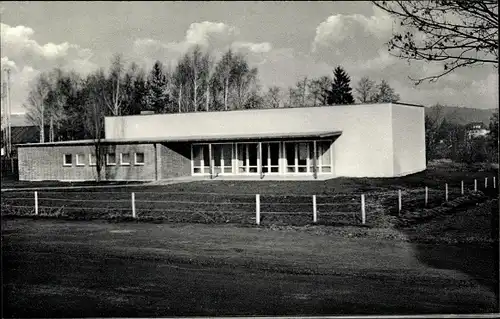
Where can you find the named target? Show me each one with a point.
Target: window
(111, 159)
(80, 160)
(201, 164)
(139, 159)
(92, 160)
(124, 159)
(67, 160)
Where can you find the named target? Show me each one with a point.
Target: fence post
(486, 182)
(494, 182)
(363, 211)
(446, 191)
(462, 187)
(36, 203)
(475, 185)
(133, 205)
(315, 212)
(257, 209)
(399, 201)
(426, 195)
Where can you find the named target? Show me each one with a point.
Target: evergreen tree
(340, 92)
(157, 97)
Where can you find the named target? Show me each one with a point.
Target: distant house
(364, 140)
(22, 132)
(476, 129)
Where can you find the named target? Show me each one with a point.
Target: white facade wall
(408, 131)
(365, 148)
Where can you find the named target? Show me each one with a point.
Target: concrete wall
(408, 131)
(46, 163)
(175, 160)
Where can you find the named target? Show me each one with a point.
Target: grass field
(282, 202)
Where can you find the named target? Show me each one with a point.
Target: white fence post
(363, 211)
(315, 212)
(486, 182)
(494, 182)
(475, 185)
(133, 205)
(36, 203)
(400, 206)
(426, 195)
(257, 209)
(462, 187)
(446, 191)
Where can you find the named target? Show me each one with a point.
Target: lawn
(282, 202)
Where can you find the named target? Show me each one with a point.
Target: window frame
(143, 159)
(66, 163)
(90, 160)
(108, 163)
(77, 162)
(122, 163)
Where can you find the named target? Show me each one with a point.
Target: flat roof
(205, 138)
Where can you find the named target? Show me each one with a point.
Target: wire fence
(337, 208)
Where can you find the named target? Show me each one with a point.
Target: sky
(285, 40)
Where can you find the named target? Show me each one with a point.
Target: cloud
(8, 63)
(27, 58)
(339, 28)
(253, 47)
(207, 34)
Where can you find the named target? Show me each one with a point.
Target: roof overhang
(206, 138)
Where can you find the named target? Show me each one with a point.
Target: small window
(111, 159)
(80, 160)
(67, 160)
(92, 160)
(139, 159)
(124, 159)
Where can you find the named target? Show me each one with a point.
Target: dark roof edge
(185, 140)
(408, 104)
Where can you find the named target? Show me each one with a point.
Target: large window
(201, 160)
(247, 155)
(324, 156)
(270, 157)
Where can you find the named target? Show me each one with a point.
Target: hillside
(463, 115)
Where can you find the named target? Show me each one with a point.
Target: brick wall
(46, 163)
(175, 160)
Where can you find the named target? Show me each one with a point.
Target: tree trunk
(42, 127)
(226, 89)
(208, 97)
(51, 130)
(195, 95)
(180, 97)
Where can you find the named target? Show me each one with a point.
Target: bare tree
(223, 74)
(273, 97)
(456, 33)
(385, 93)
(365, 89)
(36, 103)
(115, 94)
(94, 116)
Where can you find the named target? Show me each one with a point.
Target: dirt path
(75, 269)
